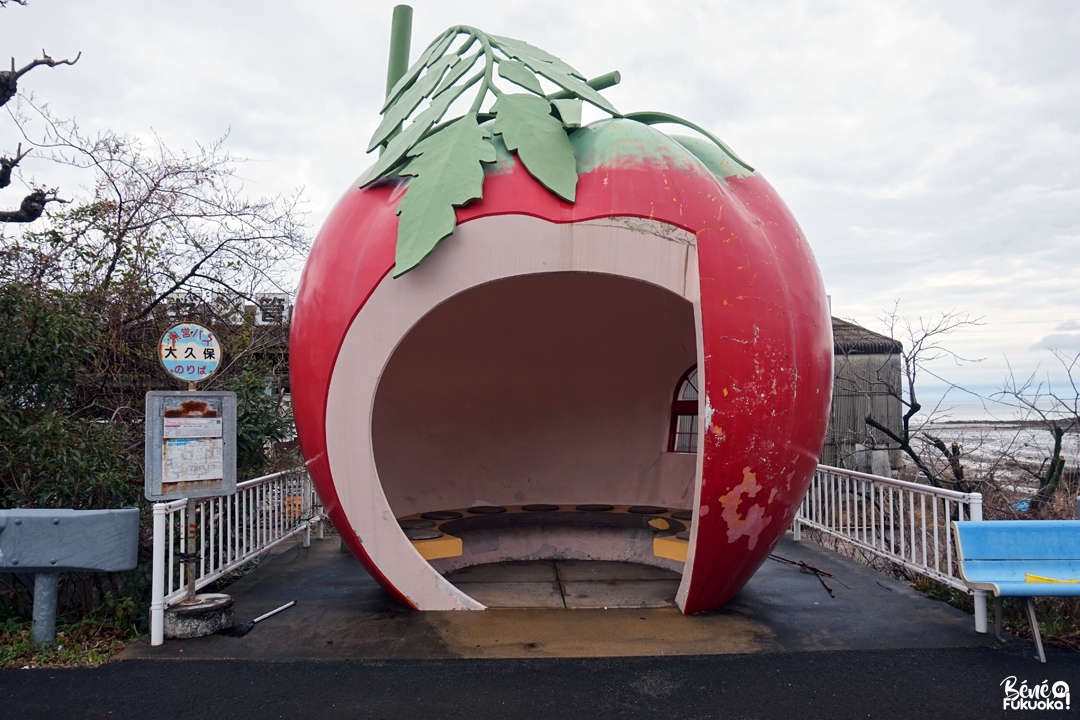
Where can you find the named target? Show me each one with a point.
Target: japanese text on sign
(185, 427)
(189, 352)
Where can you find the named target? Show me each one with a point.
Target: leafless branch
(33, 205)
(9, 79)
(160, 223)
(1055, 413)
(923, 341)
(8, 164)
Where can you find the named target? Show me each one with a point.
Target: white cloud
(1063, 342)
(931, 151)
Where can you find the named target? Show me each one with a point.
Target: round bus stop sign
(189, 352)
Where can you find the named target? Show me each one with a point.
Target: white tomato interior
(548, 388)
(522, 362)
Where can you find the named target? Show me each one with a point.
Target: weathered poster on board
(193, 459)
(190, 444)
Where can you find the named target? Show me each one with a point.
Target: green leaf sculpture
(527, 126)
(518, 72)
(444, 160)
(446, 173)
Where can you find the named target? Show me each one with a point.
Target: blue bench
(1021, 559)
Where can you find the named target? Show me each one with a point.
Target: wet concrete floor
(342, 613)
(574, 584)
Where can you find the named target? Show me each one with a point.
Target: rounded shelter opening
(544, 388)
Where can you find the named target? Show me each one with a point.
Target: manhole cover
(539, 507)
(487, 510)
(648, 510)
(595, 508)
(683, 514)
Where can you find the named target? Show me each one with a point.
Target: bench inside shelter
(1020, 558)
(457, 538)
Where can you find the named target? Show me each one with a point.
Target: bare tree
(161, 235)
(159, 225)
(1042, 406)
(924, 342)
(9, 79)
(33, 205)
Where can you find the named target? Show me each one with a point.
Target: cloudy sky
(930, 150)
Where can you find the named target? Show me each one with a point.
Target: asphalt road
(930, 683)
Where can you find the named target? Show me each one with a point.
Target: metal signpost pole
(190, 454)
(190, 544)
(189, 549)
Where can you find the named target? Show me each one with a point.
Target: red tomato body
(765, 329)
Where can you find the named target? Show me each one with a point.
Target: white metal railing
(230, 531)
(903, 522)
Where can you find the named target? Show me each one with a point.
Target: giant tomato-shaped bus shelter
(640, 374)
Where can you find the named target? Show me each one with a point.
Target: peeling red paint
(751, 523)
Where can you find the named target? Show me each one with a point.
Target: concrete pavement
(342, 614)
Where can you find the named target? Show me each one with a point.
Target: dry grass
(1059, 618)
(86, 642)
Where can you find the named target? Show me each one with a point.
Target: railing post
(975, 510)
(317, 508)
(190, 549)
(157, 592)
(975, 507)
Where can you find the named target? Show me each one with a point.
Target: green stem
(468, 83)
(597, 83)
(489, 66)
(400, 39)
(653, 118)
(464, 48)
